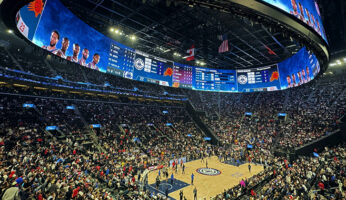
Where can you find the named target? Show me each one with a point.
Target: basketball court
(209, 182)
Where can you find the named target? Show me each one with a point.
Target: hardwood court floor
(208, 186)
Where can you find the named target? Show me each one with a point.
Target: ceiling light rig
(133, 37)
(176, 54)
(119, 32)
(200, 63)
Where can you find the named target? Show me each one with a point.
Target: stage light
(9, 31)
(176, 54)
(132, 37)
(116, 31)
(112, 29)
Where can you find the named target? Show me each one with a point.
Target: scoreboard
(258, 79)
(152, 69)
(120, 61)
(226, 79)
(182, 75)
(214, 80)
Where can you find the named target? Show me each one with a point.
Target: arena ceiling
(334, 17)
(164, 27)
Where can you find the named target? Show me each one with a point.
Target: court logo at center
(208, 171)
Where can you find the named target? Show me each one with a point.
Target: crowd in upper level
(80, 162)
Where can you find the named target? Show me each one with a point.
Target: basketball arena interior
(165, 99)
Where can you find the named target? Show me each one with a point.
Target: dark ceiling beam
(140, 38)
(249, 45)
(276, 41)
(134, 30)
(244, 52)
(97, 5)
(228, 58)
(133, 12)
(256, 38)
(241, 58)
(146, 17)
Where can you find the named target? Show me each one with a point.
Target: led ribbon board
(45, 25)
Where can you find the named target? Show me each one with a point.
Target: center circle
(170, 186)
(208, 171)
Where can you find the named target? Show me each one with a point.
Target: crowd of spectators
(133, 136)
(312, 110)
(317, 177)
(80, 162)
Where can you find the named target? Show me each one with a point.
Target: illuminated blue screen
(258, 79)
(59, 31)
(95, 125)
(305, 10)
(299, 69)
(70, 107)
(28, 105)
(214, 79)
(51, 128)
(27, 20)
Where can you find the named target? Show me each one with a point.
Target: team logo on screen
(208, 171)
(242, 79)
(36, 6)
(139, 64)
(128, 75)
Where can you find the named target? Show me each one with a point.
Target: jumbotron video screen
(56, 29)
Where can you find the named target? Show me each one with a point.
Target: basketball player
(85, 56)
(166, 192)
(157, 182)
(206, 163)
(195, 194)
(318, 27)
(76, 50)
(295, 8)
(289, 82)
(294, 80)
(313, 21)
(307, 71)
(172, 179)
(300, 78)
(54, 39)
(303, 76)
(309, 18)
(94, 62)
(301, 16)
(64, 46)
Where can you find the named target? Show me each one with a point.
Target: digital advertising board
(298, 69)
(306, 11)
(258, 79)
(56, 29)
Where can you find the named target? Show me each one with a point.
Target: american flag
(224, 45)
